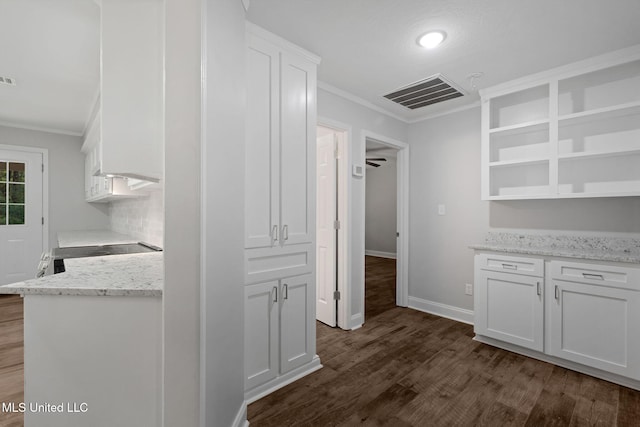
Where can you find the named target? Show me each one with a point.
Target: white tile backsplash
(142, 218)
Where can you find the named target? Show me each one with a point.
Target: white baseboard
(380, 254)
(261, 391)
(241, 417)
(443, 310)
(356, 321)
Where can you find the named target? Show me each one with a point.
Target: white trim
(275, 39)
(355, 98)
(357, 321)
(443, 310)
(269, 387)
(40, 128)
(380, 254)
(45, 186)
(607, 376)
(446, 112)
(344, 216)
(402, 245)
(241, 417)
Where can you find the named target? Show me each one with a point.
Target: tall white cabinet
(280, 213)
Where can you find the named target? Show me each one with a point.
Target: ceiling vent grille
(7, 81)
(425, 92)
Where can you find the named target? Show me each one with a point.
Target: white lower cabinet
(597, 325)
(581, 315)
(509, 307)
(279, 328)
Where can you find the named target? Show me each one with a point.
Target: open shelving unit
(566, 133)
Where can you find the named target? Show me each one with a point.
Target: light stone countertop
(68, 239)
(113, 275)
(614, 249)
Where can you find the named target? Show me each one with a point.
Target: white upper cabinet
(569, 132)
(130, 118)
(280, 142)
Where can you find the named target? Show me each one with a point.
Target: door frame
(45, 186)
(402, 206)
(343, 244)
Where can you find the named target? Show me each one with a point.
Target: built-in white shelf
(571, 132)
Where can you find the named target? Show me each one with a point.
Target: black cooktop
(91, 251)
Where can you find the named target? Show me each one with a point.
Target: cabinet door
(298, 146)
(297, 322)
(261, 333)
(597, 326)
(262, 145)
(509, 307)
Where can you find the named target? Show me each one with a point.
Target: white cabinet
(279, 213)
(594, 316)
(126, 135)
(568, 132)
(280, 142)
(508, 303)
(279, 330)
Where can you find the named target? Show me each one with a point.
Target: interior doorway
(381, 231)
(331, 225)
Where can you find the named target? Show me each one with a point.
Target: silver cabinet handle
(275, 294)
(285, 232)
(538, 290)
(274, 233)
(285, 291)
(557, 293)
(593, 276)
(510, 266)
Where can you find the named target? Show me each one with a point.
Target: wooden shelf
(600, 114)
(532, 126)
(588, 155)
(519, 162)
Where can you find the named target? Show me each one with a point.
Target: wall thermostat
(358, 170)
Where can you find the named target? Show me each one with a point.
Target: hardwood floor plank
(408, 368)
(11, 357)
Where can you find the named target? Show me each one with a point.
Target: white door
(326, 233)
(297, 325)
(261, 333)
(21, 213)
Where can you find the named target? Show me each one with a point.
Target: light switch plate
(468, 289)
(441, 210)
(358, 170)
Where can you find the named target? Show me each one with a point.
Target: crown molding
(354, 98)
(40, 129)
(446, 112)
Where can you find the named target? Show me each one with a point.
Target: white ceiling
(368, 48)
(52, 49)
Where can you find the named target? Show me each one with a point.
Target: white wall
(445, 169)
(223, 215)
(142, 218)
(68, 209)
(360, 119)
(381, 207)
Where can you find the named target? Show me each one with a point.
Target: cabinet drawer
(511, 264)
(596, 274)
(281, 261)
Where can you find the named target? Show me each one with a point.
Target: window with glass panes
(12, 193)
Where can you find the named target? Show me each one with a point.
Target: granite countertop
(114, 275)
(68, 239)
(614, 249)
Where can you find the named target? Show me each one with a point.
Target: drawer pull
(509, 266)
(593, 276)
(557, 293)
(275, 294)
(538, 290)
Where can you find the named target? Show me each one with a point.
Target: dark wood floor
(11, 357)
(407, 368)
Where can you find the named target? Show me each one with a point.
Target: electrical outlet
(468, 289)
(442, 210)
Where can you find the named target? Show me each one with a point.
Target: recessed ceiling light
(432, 39)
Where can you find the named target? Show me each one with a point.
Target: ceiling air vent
(7, 81)
(425, 92)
